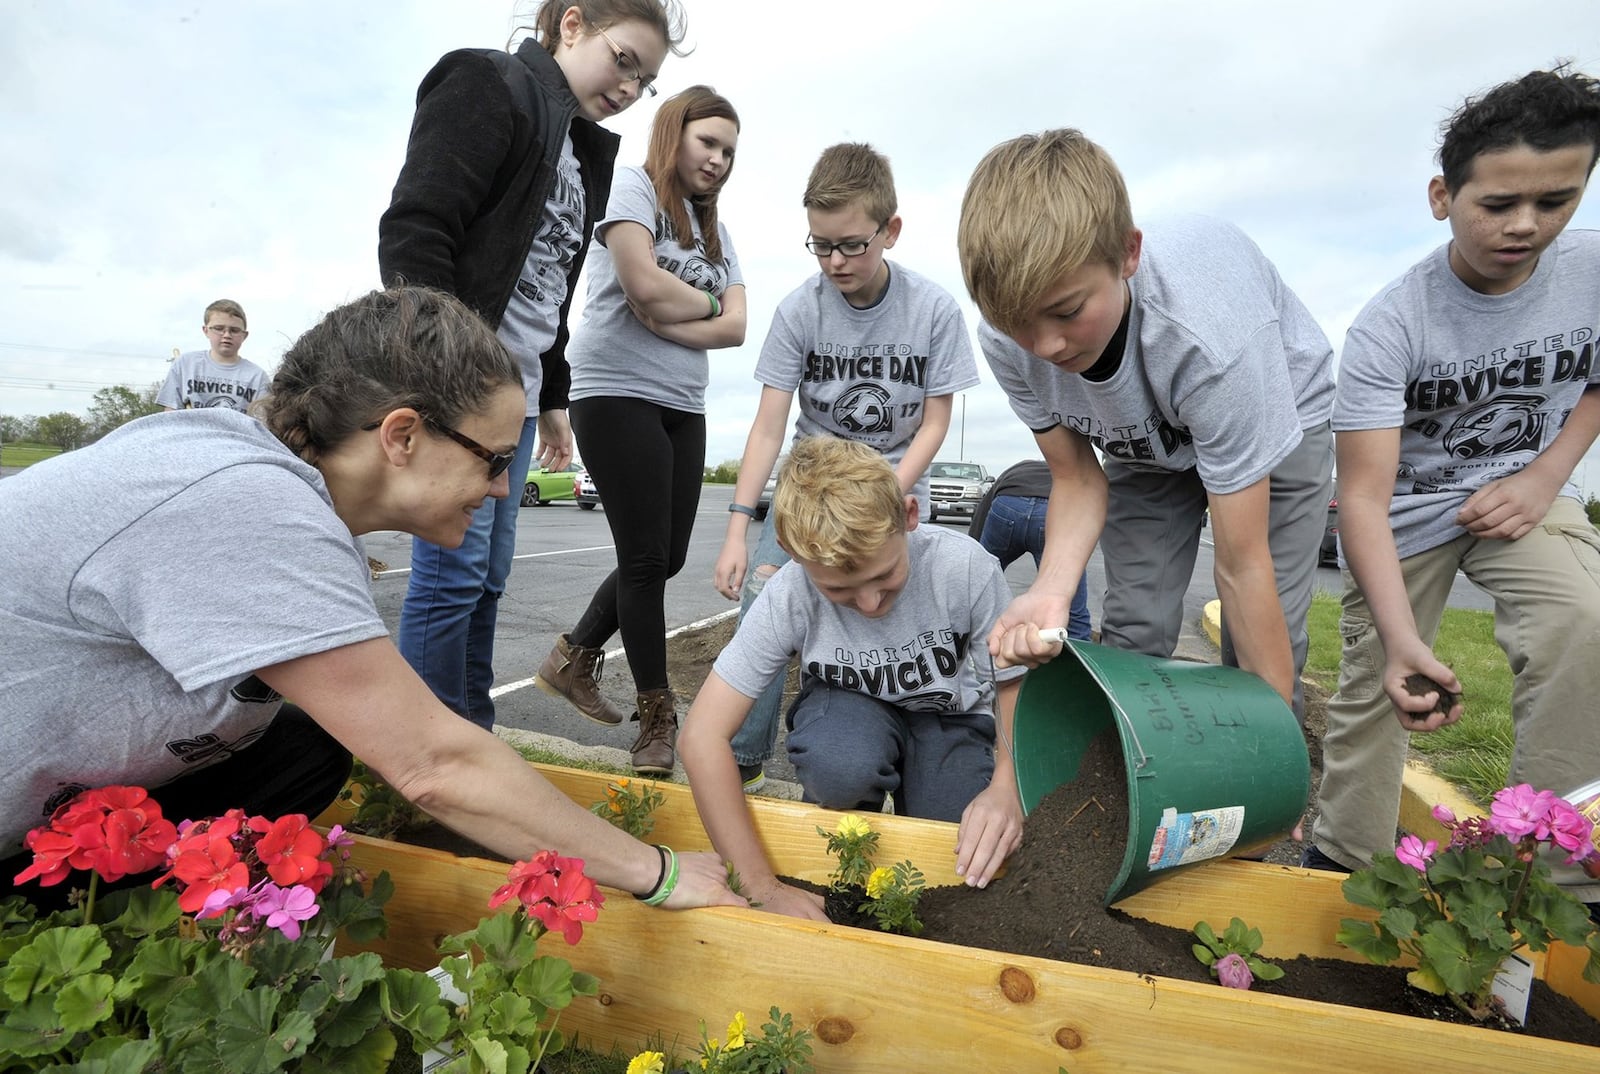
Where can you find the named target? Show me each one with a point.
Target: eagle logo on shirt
(864, 409)
(1503, 426)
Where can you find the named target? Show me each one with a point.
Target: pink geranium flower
(1571, 830)
(554, 891)
(1521, 810)
(1234, 972)
(284, 908)
(1415, 853)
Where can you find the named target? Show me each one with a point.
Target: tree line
(110, 408)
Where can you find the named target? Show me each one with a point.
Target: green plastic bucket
(1216, 762)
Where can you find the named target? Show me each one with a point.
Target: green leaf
(1204, 953)
(547, 981)
(488, 1055)
(54, 956)
(161, 968)
(84, 1002)
(216, 986)
(1363, 888)
(1398, 921)
(252, 1039)
(372, 1054)
(1263, 970)
(1464, 967)
(1207, 936)
(1425, 979)
(1367, 939)
(31, 1028)
(412, 1001)
(115, 1055)
(149, 912)
(349, 1019)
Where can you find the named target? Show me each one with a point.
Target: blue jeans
(1015, 524)
(752, 743)
(447, 619)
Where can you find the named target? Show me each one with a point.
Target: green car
(546, 485)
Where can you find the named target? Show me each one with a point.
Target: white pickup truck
(954, 488)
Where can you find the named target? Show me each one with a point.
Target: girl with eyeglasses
(152, 627)
(506, 168)
(664, 289)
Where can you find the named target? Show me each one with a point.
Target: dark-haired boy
(1468, 390)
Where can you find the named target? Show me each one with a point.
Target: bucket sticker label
(1183, 838)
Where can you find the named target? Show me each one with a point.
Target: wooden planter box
(885, 1004)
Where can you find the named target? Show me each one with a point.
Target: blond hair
(228, 308)
(852, 173)
(1038, 207)
(837, 503)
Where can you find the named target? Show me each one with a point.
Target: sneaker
(1312, 857)
(658, 729)
(573, 672)
(753, 776)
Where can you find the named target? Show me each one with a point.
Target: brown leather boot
(573, 672)
(658, 729)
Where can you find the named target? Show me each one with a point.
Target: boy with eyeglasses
(215, 377)
(874, 352)
(1182, 357)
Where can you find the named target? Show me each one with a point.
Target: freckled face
(872, 587)
(1512, 206)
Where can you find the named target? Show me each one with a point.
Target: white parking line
(528, 555)
(521, 684)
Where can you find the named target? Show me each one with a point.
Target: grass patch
(1475, 753)
(22, 453)
(540, 755)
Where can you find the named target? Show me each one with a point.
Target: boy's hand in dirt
(991, 828)
(702, 881)
(780, 898)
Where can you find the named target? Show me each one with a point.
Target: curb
(621, 759)
(1211, 620)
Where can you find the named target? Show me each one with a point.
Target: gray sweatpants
(1153, 522)
(851, 751)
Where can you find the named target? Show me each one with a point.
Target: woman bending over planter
(153, 625)
(882, 614)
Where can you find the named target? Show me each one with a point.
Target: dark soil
(1049, 904)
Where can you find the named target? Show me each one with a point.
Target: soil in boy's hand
(1418, 685)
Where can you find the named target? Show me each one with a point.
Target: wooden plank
(884, 1004)
(887, 1004)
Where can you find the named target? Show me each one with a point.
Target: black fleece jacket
(480, 165)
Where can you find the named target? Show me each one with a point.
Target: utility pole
(963, 446)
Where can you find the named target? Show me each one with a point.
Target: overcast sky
(161, 155)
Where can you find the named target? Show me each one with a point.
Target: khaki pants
(1546, 590)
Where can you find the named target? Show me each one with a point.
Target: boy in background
(1182, 357)
(1468, 391)
(883, 614)
(218, 377)
(874, 352)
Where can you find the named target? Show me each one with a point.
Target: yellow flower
(647, 1063)
(880, 881)
(622, 784)
(852, 827)
(736, 1032)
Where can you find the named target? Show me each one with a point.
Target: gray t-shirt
(612, 353)
(1223, 367)
(866, 374)
(135, 612)
(197, 380)
(1478, 385)
(919, 656)
(532, 318)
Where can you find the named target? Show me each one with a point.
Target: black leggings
(295, 767)
(648, 462)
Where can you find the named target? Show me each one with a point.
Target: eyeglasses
(498, 463)
(849, 248)
(628, 68)
(226, 330)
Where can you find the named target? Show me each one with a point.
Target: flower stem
(88, 903)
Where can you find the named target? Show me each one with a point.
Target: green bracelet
(668, 883)
(716, 308)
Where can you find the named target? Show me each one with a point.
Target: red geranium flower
(206, 863)
(51, 851)
(113, 830)
(292, 850)
(554, 891)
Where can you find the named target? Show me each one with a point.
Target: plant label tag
(436, 1058)
(1512, 985)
